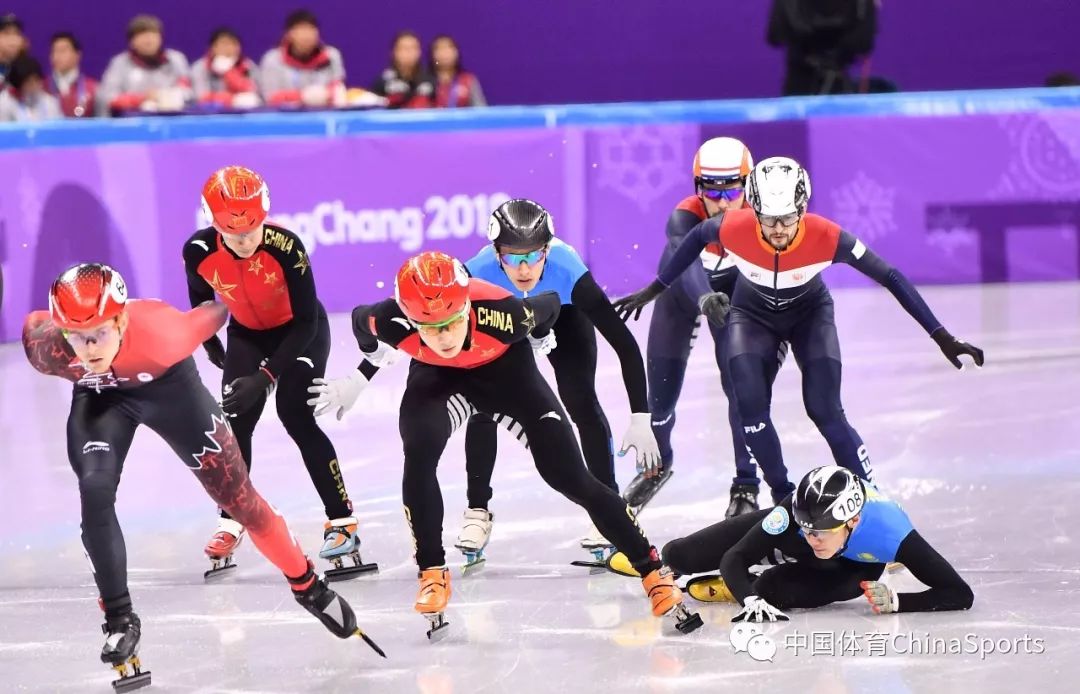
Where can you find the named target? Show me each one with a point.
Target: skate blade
(638, 502)
(474, 566)
(685, 621)
(367, 639)
(594, 567)
(347, 572)
(130, 682)
(218, 572)
(438, 630)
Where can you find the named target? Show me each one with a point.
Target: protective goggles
(784, 220)
(531, 258)
(726, 194)
(439, 326)
(83, 338)
(818, 533)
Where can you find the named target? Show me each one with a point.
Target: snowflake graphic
(1045, 157)
(640, 163)
(949, 230)
(865, 206)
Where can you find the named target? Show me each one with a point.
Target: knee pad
(98, 491)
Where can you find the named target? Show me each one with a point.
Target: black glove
(715, 306)
(244, 392)
(953, 348)
(637, 301)
(215, 351)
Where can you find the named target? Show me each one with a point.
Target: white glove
(315, 95)
(245, 100)
(640, 437)
(757, 610)
(340, 393)
(384, 355)
(544, 345)
(882, 598)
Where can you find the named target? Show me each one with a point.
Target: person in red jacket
(279, 337)
(67, 83)
(226, 76)
(454, 86)
(131, 364)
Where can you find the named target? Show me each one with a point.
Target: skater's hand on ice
(637, 301)
(715, 306)
(339, 392)
(757, 610)
(544, 345)
(881, 597)
(384, 355)
(244, 392)
(640, 437)
(953, 348)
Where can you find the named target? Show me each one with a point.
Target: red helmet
(432, 288)
(236, 200)
(86, 295)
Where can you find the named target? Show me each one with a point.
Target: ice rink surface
(987, 464)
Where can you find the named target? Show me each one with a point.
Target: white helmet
(722, 160)
(778, 186)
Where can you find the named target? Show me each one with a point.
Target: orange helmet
(432, 288)
(236, 200)
(86, 295)
(722, 160)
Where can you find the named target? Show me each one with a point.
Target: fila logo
(95, 447)
(755, 428)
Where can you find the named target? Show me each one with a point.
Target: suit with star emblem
(799, 579)
(278, 325)
(495, 374)
(585, 310)
(152, 381)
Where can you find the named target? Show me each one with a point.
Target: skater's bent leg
(745, 466)
(751, 388)
(481, 447)
(810, 584)
(424, 424)
(193, 425)
(672, 331)
(817, 350)
(702, 551)
(99, 433)
(574, 362)
(298, 417)
(242, 358)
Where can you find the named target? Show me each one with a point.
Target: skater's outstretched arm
(776, 531)
(947, 590)
(590, 298)
(854, 252)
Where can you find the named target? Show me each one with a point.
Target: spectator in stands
(406, 84)
(303, 70)
(25, 98)
(147, 76)
(226, 76)
(823, 39)
(75, 90)
(12, 42)
(454, 86)
(1062, 79)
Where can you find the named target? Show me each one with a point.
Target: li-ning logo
(95, 447)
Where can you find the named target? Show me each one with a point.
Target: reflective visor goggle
(726, 194)
(531, 258)
(811, 532)
(784, 220)
(83, 338)
(439, 326)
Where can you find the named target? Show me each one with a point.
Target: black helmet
(828, 497)
(520, 223)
